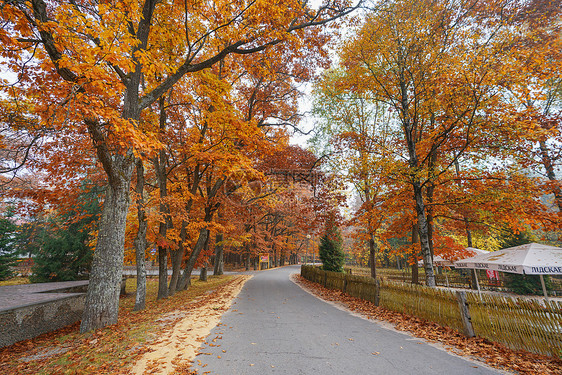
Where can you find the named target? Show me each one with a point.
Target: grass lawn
(106, 351)
(15, 281)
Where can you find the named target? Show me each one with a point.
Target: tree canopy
(199, 90)
(443, 115)
(424, 108)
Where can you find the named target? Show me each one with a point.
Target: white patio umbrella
(441, 262)
(529, 259)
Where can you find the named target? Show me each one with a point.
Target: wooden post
(477, 284)
(544, 288)
(465, 314)
(344, 283)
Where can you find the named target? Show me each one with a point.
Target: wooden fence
(518, 323)
(514, 322)
(436, 305)
(455, 278)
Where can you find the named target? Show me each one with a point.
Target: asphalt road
(274, 327)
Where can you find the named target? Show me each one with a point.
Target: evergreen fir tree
(64, 254)
(8, 239)
(31, 236)
(330, 250)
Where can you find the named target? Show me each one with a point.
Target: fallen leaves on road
(492, 353)
(114, 349)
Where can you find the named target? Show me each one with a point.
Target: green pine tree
(31, 236)
(330, 249)
(64, 254)
(8, 239)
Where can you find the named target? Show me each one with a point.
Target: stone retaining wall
(29, 321)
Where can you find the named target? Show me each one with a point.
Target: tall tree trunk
(465, 218)
(430, 191)
(372, 249)
(199, 245)
(430, 221)
(409, 125)
(177, 256)
(219, 255)
(432, 161)
(551, 174)
(424, 236)
(177, 282)
(101, 307)
(140, 240)
(102, 299)
(160, 162)
(415, 239)
(203, 232)
(467, 228)
(162, 272)
(372, 256)
(206, 247)
(247, 260)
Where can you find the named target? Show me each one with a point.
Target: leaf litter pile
(492, 353)
(161, 339)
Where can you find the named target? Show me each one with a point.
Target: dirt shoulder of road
(161, 339)
(177, 345)
(493, 354)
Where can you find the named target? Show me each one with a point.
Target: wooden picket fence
(313, 274)
(518, 323)
(514, 322)
(436, 305)
(362, 287)
(356, 286)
